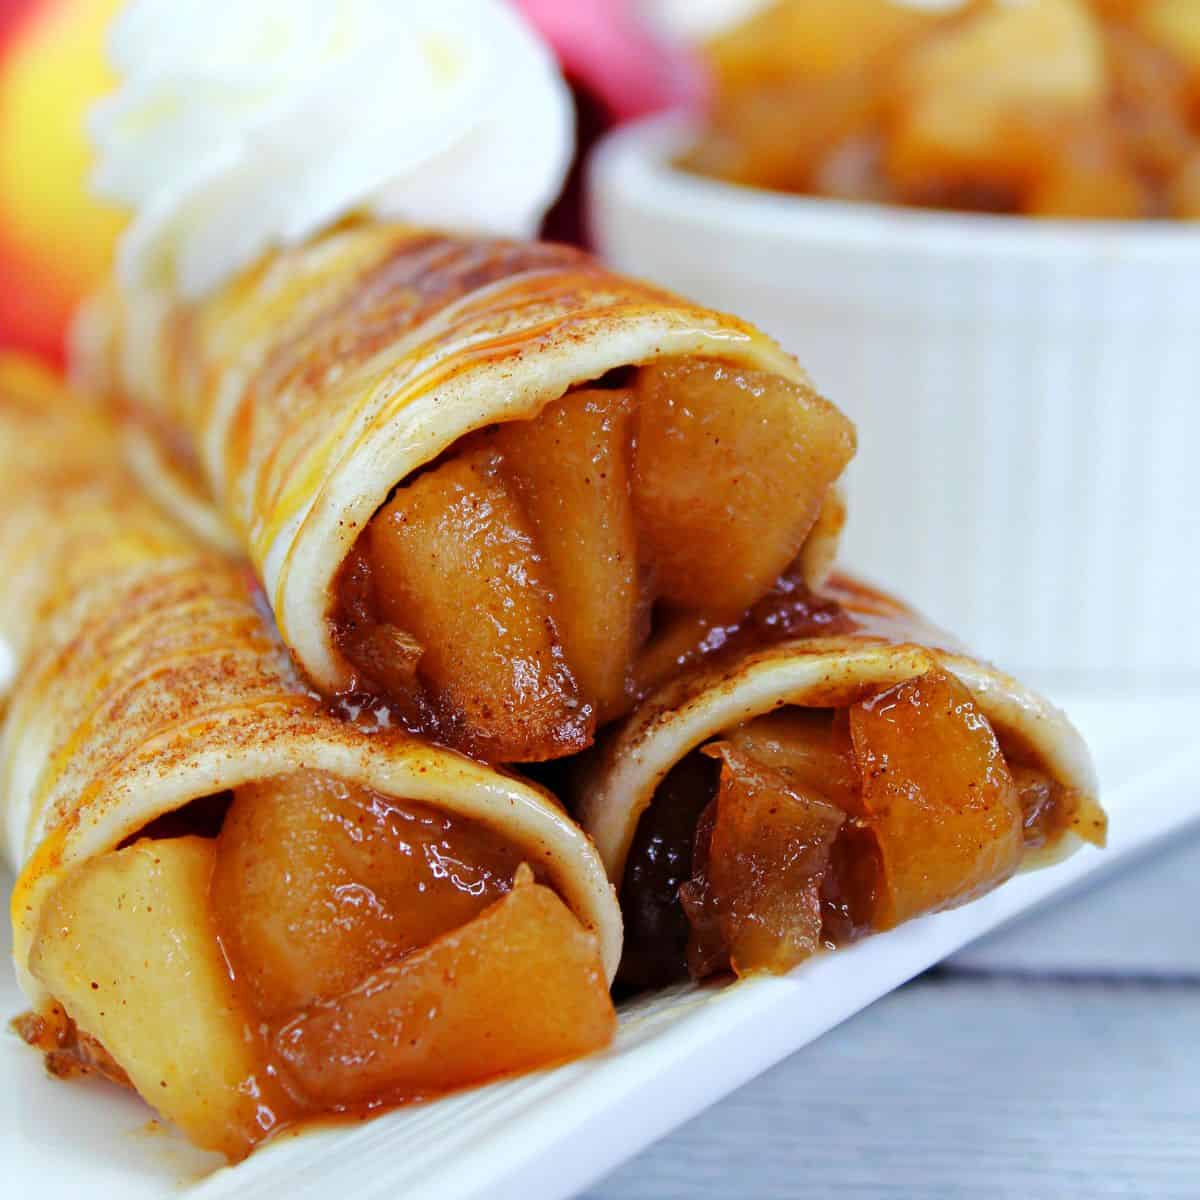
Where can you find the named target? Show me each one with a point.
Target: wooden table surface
(1060, 1058)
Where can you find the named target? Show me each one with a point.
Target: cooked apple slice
(811, 746)
(815, 564)
(127, 944)
(1045, 53)
(1175, 26)
(1091, 181)
(519, 987)
(388, 657)
(572, 470)
(794, 82)
(1184, 195)
(938, 795)
(806, 746)
(317, 883)
(677, 639)
(965, 95)
(812, 39)
(1150, 101)
(777, 136)
(768, 855)
(454, 563)
(732, 468)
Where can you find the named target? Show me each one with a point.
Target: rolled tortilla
(151, 692)
(83, 523)
(349, 387)
(877, 738)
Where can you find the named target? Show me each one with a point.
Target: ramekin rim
(636, 160)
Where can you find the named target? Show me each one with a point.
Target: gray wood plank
(960, 1087)
(1105, 930)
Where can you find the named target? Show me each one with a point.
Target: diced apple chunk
(521, 986)
(795, 83)
(967, 94)
(1174, 25)
(812, 39)
(1049, 52)
(779, 136)
(127, 944)
(732, 468)
(318, 882)
(454, 562)
(1090, 182)
(1185, 192)
(938, 795)
(760, 880)
(572, 469)
(807, 746)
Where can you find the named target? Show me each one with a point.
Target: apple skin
(56, 241)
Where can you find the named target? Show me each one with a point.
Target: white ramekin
(1027, 397)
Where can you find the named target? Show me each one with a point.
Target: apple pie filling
(808, 828)
(516, 592)
(329, 950)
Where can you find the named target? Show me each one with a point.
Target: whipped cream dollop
(243, 125)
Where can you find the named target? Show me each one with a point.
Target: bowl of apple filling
(975, 226)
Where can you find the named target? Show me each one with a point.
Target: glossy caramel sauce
(660, 862)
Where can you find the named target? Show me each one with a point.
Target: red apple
(56, 241)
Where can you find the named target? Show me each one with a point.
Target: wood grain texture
(960, 1087)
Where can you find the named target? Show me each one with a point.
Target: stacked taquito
(787, 797)
(492, 483)
(518, 502)
(231, 900)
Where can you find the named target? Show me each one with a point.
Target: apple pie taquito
(229, 899)
(489, 481)
(784, 798)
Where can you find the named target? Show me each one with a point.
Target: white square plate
(550, 1134)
